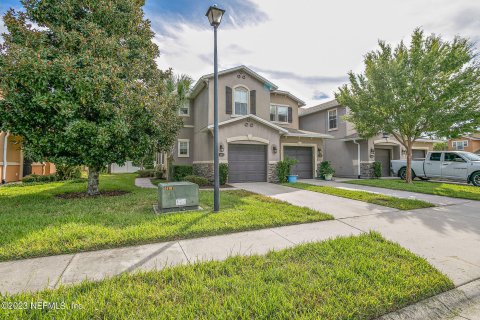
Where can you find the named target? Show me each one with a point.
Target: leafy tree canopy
(429, 88)
(82, 86)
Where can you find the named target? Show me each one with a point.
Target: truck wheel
(402, 173)
(475, 178)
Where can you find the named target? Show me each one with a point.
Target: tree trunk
(408, 178)
(93, 173)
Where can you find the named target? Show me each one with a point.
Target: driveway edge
(458, 302)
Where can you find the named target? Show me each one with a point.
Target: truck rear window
(436, 156)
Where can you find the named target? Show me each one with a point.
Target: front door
(454, 167)
(433, 165)
(383, 156)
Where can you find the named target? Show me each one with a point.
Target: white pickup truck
(451, 165)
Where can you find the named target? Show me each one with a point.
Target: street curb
(443, 306)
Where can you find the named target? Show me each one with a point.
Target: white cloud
(314, 40)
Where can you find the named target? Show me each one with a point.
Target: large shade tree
(81, 85)
(431, 87)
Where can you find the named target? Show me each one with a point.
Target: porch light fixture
(214, 15)
(385, 136)
(319, 152)
(404, 152)
(222, 148)
(372, 153)
(274, 149)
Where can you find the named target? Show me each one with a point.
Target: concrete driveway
(448, 235)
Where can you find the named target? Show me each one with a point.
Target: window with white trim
(278, 113)
(460, 145)
(332, 119)
(240, 99)
(184, 110)
(183, 148)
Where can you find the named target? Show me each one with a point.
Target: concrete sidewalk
(50, 272)
(336, 206)
(434, 199)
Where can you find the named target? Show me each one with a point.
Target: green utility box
(177, 196)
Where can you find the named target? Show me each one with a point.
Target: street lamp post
(215, 15)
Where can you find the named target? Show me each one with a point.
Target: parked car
(452, 165)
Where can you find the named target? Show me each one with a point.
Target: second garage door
(304, 157)
(247, 163)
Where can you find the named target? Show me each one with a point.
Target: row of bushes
(64, 172)
(185, 173)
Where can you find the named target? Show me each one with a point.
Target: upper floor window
(332, 119)
(460, 145)
(278, 113)
(240, 98)
(184, 109)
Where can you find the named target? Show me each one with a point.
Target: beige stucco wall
(231, 80)
(285, 100)
(317, 122)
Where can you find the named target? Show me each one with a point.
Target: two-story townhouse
(350, 154)
(470, 143)
(258, 126)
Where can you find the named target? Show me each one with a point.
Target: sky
(303, 46)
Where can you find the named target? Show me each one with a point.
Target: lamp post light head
(386, 136)
(215, 15)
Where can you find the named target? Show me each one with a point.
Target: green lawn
(428, 187)
(33, 222)
(380, 199)
(358, 277)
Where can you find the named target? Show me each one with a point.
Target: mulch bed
(81, 195)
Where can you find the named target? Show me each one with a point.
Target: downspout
(358, 157)
(4, 169)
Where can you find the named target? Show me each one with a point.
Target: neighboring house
(258, 126)
(349, 154)
(470, 143)
(13, 165)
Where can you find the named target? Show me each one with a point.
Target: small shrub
(68, 172)
(180, 172)
(377, 169)
(325, 169)
(223, 173)
(149, 173)
(284, 168)
(159, 174)
(30, 178)
(39, 178)
(201, 181)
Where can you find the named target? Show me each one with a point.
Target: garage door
(247, 163)
(304, 166)
(383, 156)
(418, 154)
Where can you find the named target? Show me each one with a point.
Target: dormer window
(240, 98)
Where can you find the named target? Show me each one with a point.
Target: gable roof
(323, 106)
(254, 117)
(200, 84)
(291, 96)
